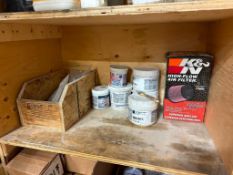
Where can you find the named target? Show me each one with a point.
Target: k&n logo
(183, 66)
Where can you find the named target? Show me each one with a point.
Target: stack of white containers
(143, 103)
(119, 88)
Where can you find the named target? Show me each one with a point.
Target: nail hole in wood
(116, 56)
(31, 30)
(15, 109)
(7, 117)
(3, 31)
(5, 99)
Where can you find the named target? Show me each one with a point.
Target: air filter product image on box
(180, 93)
(187, 84)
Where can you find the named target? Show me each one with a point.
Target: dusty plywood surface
(219, 112)
(160, 12)
(107, 135)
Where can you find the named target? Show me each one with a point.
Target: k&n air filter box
(187, 84)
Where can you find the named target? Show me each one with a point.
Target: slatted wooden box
(74, 103)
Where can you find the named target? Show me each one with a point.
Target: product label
(101, 102)
(187, 85)
(142, 118)
(118, 80)
(120, 98)
(145, 84)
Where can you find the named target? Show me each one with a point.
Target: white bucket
(93, 3)
(100, 97)
(119, 96)
(142, 110)
(145, 1)
(45, 5)
(146, 80)
(118, 75)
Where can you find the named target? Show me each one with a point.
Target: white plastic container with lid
(100, 97)
(118, 75)
(46, 5)
(142, 110)
(119, 96)
(146, 80)
(93, 3)
(145, 1)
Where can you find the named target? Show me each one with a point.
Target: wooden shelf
(171, 147)
(203, 10)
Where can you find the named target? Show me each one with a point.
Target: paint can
(119, 96)
(100, 97)
(143, 111)
(118, 75)
(132, 171)
(146, 80)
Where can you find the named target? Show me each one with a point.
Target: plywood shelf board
(172, 147)
(203, 10)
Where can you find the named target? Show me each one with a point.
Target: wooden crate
(74, 102)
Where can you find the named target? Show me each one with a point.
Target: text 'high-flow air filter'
(187, 84)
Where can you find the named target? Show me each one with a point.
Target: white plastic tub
(118, 75)
(93, 3)
(119, 96)
(46, 5)
(146, 80)
(100, 97)
(145, 1)
(142, 110)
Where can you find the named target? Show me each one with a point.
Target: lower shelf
(171, 147)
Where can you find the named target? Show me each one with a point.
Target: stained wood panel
(141, 43)
(20, 61)
(201, 10)
(18, 32)
(219, 119)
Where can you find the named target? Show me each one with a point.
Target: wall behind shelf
(219, 115)
(19, 62)
(138, 43)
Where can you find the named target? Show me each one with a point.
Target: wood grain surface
(202, 10)
(21, 61)
(132, 43)
(172, 147)
(219, 110)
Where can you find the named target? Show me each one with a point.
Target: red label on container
(190, 111)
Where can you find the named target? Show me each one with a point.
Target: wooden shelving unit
(203, 10)
(35, 43)
(107, 135)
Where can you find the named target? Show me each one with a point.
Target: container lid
(119, 67)
(129, 87)
(100, 90)
(146, 72)
(142, 103)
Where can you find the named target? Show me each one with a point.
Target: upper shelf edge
(207, 10)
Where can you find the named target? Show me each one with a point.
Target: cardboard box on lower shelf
(88, 167)
(33, 162)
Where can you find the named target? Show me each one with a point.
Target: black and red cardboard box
(187, 85)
